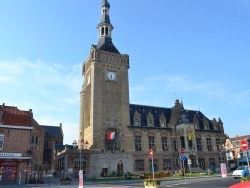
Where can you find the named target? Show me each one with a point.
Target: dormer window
(162, 123)
(137, 117)
(196, 126)
(136, 122)
(150, 124)
(215, 127)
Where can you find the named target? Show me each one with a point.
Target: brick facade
(105, 108)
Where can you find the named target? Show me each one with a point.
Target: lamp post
(81, 143)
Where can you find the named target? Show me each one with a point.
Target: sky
(192, 50)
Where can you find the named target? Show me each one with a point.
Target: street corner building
(121, 134)
(25, 146)
(16, 156)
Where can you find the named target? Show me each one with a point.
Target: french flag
(111, 136)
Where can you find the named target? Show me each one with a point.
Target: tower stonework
(104, 99)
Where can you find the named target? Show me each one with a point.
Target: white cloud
(50, 90)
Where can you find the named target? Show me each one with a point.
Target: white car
(241, 171)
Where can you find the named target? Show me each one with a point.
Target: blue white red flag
(111, 136)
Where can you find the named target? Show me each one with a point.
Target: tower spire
(105, 30)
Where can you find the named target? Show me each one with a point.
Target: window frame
(1, 141)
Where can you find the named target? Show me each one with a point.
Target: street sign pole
(244, 147)
(151, 154)
(184, 171)
(189, 165)
(183, 157)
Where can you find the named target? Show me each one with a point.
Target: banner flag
(111, 136)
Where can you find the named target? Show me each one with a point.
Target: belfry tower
(104, 98)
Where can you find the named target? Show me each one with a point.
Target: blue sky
(193, 50)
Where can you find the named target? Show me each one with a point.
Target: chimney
(30, 112)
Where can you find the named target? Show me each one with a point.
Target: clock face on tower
(111, 75)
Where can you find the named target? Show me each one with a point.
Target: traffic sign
(151, 153)
(244, 145)
(183, 157)
(29, 170)
(182, 150)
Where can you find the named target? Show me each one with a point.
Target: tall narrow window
(138, 143)
(209, 144)
(151, 142)
(221, 160)
(175, 145)
(34, 140)
(166, 164)
(164, 142)
(1, 141)
(139, 165)
(218, 143)
(199, 145)
(201, 162)
(102, 30)
(106, 30)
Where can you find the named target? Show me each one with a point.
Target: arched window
(102, 31)
(106, 31)
(120, 168)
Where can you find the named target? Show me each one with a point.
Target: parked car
(241, 171)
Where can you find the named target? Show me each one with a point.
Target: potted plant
(65, 181)
(151, 183)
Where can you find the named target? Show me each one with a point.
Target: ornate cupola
(183, 118)
(104, 30)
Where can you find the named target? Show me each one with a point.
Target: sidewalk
(53, 182)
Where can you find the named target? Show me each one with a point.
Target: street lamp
(80, 150)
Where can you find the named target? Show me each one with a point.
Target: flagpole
(115, 141)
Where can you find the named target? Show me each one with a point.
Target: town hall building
(120, 134)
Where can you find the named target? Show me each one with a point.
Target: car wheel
(235, 177)
(245, 175)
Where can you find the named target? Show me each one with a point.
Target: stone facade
(105, 109)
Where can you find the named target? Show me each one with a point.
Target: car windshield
(241, 168)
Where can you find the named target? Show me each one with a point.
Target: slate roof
(144, 110)
(105, 3)
(52, 131)
(106, 44)
(156, 112)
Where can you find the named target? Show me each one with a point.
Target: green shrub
(243, 179)
(151, 182)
